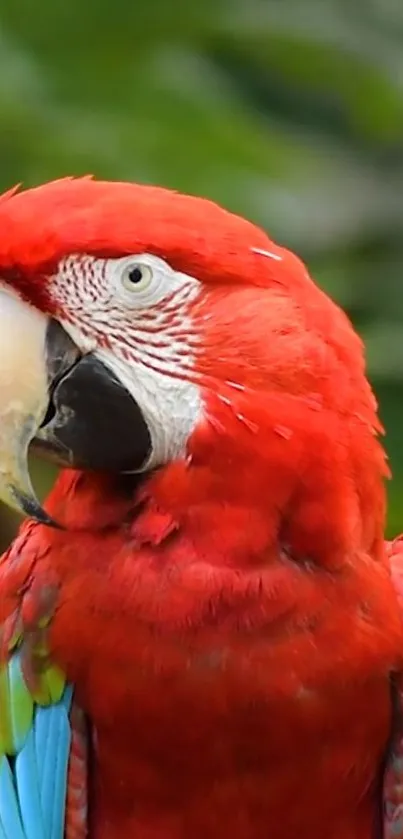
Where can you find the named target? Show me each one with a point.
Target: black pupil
(135, 275)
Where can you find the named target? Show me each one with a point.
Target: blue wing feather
(43, 731)
(33, 784)
(10, 818)
(27, 779)
(49, 720)
(62, 748)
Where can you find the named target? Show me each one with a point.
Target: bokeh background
(287, 111)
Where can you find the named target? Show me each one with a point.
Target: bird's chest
(194, 737)
(219, 704)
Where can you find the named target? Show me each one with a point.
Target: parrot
(201, 627)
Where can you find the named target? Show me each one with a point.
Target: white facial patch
(170, 406)
(134, 314)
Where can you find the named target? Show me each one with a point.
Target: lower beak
(68, 407)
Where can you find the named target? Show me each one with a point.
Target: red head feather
(41, 225)
(262, 322)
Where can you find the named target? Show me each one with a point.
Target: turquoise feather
(10, 819)
(33, 784)
(27, 780)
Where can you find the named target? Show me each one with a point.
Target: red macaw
(201, 636)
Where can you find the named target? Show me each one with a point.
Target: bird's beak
(26, 369)
(68, 407)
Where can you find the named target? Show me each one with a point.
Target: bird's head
(139, 327)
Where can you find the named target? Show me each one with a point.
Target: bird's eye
(136, 277)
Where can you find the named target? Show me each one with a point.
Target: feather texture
(34, 756)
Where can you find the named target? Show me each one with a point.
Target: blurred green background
(289, 112)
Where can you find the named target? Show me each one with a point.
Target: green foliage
(287, 111)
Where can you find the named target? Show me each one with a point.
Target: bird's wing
(43, 738)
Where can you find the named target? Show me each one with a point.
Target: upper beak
(24, 396)
(68, 406)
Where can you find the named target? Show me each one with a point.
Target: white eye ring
(136, 277)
